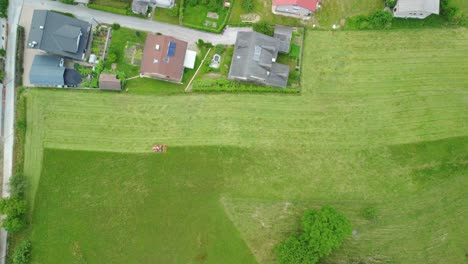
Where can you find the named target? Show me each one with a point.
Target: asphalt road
(14, 12)
(183, 33)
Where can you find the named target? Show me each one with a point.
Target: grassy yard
(462, 4)
(262, 8)
(333, 11)
(375, 126)
(121, 4)
(163, 15)
(120, 38)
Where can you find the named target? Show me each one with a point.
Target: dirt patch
(133, 53)
(250, 18)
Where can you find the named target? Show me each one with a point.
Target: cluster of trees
(212, 5)
(264, 28)
(322, 232)
(452, 13)
(15, 209)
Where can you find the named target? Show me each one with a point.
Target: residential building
(283, 35)
(59, 34)
(416, 8)
(141, 6)
(295, 8)
(49, 71)
(254, 60)
(163, 58)
(109, 81)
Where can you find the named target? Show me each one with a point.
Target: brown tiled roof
(109, 82)
(159, 61)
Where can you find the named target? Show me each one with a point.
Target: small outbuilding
(109, 81)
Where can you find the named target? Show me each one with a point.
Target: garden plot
(133, 53)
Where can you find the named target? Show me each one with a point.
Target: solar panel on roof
(171, 49)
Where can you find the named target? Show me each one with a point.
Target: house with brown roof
(109, 81)
(163, 58)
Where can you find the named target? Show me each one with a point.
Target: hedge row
(223, 85)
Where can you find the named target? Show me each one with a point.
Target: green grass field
(381, 122)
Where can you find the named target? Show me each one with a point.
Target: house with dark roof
(49, 71)
(141, 6)
(295, 8)
(283, 35)
(109, 81)
(254, 60)
(416, 8)
(59, 34)
(163, 58)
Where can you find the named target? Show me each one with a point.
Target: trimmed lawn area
(463, 5)
(138, 202)
(121, 4)
(333, 11)
(381, 122)
(163, 15)
(153, 86)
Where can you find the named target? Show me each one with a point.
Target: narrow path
(14, 11)
(189, 88)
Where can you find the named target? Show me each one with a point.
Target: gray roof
(46, 71)
(284, 35)
(59, 34)
(431, 6)
(254, 60)
(140, 6)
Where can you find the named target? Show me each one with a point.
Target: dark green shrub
(22, 252)
(174, 11)
(192, 2)
(264, 28)
(322, 232)
(248, 5)
(17, 184)
(390, 3)
(115, 26)
(219, 49)
(2, 52)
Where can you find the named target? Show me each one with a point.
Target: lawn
(333, 11)
(121, 4)
(262, 8)
(163, 15)
(375, 126)
(462, 4)
(118, 45)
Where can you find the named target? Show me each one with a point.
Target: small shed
(284, 35)
(190, 58)
(109, 81)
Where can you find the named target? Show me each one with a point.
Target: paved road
(14, 12)
(187, 34)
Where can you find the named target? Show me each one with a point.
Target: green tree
(22, 252)
(115, 26)
(174, 11)
(14, 208)
(322, 232)
(3, 8)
